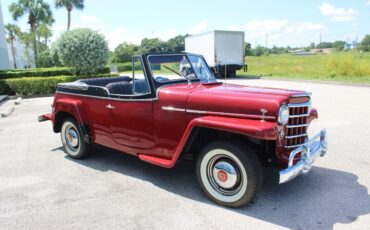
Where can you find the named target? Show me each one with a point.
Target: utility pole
(267, 39)
(320, 39)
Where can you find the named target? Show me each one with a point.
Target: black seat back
(141, 86)
(122, 87)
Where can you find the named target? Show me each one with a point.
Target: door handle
(109, 106)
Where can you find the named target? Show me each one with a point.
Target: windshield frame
(184, 78)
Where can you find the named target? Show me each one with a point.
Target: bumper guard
(310, 151)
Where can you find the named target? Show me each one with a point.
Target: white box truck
(223, 50)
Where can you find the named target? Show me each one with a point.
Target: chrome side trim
(130, 95)
(297, 126)
(240, 115)
(300, 135)
(300, 115)
(106, 98)
(171, 108)
(74, 85)
(196, 111)
(306, 104)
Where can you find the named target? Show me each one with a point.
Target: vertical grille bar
(297, 125)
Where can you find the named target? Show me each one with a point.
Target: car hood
(237, 99)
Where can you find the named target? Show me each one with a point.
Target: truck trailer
(223, 50)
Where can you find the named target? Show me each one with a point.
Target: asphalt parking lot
(41, 188)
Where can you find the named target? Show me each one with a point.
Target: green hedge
(42, 72)
(124, 67)
(39, 85)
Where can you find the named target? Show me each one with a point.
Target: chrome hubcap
(224, 175)
(71, 137)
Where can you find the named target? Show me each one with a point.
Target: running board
(166, 163)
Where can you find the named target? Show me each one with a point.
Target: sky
(281, 23)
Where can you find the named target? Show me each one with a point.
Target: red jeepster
(173, 107)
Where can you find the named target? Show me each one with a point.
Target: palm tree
(44, 32)
(27, 40)
(13, 31)
(38, 11)
(69, 5)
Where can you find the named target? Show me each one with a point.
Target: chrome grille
(296, 132)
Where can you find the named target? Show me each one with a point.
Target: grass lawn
(351, 67)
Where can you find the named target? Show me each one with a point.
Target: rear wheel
(72, 140)
(229, 173)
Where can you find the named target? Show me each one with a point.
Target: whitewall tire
(72, 140)
(229, 173)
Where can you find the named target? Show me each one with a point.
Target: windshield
(167, 68)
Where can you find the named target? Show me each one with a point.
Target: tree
(152, 45)
(124, 52)
(27, 40)
(260, 50)
(69, 5)
(43, 34)
(176, 44)
(339, 45)
(84, 49)
(365, 44)
(248, 49)
(324, 45)
(13, 31)
(38, 11)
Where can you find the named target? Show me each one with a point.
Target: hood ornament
(263, 111)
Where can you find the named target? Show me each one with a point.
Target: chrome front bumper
(312, 149)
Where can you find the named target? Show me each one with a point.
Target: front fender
(254, 128)
(258, 129)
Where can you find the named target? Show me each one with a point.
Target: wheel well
(200, 137)
(59, 118)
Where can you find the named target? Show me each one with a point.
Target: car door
(132, 115)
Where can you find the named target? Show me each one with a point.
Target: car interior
(119, 85)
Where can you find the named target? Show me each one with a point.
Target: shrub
(44, 59)
(43, 72)
(39, 85)
(84, 49)
(347, 66)
(124, 67)
(39, 72)
(365, 44)
(5, 89)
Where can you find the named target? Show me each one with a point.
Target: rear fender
(75, 108)
(264, 130)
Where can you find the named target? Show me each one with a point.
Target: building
(20, 55)
(4, 55)
(350, 46)
(323, 51)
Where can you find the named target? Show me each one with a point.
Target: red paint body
(143, 128)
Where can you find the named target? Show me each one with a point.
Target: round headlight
(283, 115)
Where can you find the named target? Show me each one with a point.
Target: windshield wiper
(178, 73)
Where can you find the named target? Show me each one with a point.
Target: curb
(31, 96)
(3, 98)
(8, 110)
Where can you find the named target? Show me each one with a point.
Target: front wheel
(229, 173)
(72, 140)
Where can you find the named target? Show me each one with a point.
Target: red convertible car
(172, 108)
